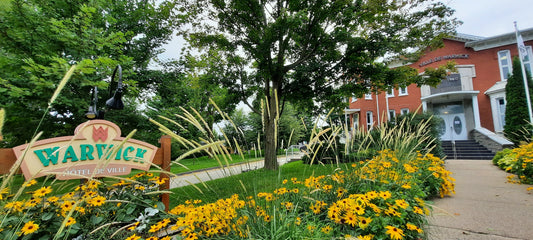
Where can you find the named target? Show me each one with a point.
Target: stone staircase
(466, 149)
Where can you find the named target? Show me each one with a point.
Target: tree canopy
(313, 53)
(40, 39)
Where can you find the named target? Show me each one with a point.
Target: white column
(424, 106)
(475, 108)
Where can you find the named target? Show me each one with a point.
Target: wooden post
(165, 142)
(7, 159)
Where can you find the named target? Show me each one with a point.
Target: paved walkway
(485, 206)
(215, 173)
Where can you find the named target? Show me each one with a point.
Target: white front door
(453, 127)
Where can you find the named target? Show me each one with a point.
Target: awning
(351, 110)
(450, 96)
(496, 88)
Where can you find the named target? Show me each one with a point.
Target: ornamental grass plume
(2, 119)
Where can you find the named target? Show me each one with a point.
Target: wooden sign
(96, 150)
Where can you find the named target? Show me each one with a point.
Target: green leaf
(96, 220)
(160, 206)
(130, 210)
(47, 216)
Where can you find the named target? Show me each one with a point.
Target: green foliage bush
(517, 127)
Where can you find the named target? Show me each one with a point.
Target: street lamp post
(115, 102)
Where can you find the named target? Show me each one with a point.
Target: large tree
(517, 126)
(303, 51)
(40, 39)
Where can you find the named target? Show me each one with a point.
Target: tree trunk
(271, 141)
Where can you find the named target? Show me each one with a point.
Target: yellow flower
(327, 229)
(32, 202)
(366, 237)
(364, 222)
(70, 221)
(401, 203)
(53, 199)
(133, 237)
(30, 183)
(93, 184)
(394, 233)
(29, 228)
(66, 206)
(340, 192)
(385, 195)
(41, 192)
(298, 221)
(350, 219)
(133, 226)
(412, 227)
(96, 201)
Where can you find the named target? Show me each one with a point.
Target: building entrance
(454, 125)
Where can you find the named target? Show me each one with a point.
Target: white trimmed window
(504, 60)
(405, 111)
(402, 91)
(369, 120)
(354, 98)
(368, 96)
(392, 114)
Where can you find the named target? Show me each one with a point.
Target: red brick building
(471, 98)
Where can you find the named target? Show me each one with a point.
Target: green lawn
(248, 183)
(192, 164)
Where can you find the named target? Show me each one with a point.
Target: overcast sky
(483, 18)
(488, 18)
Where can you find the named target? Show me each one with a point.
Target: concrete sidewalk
(485, 206)
(215, 173)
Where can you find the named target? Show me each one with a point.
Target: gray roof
(499, 40)
(465, 37)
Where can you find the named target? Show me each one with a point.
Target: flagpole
(522, 48)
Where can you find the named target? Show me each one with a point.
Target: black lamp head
(116, 101)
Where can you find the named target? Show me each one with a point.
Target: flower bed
(518, 161)
(381, 198)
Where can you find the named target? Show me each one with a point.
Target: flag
(520, 42)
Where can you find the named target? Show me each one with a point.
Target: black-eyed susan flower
(30, 183)
(394, 232)
(41, 192)
(366, 237)
(97, 201)
(351, 219)
(364, 222)
(327, 229)
(133, 237)
(29, 228)
(70, 221)
(413, 227)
